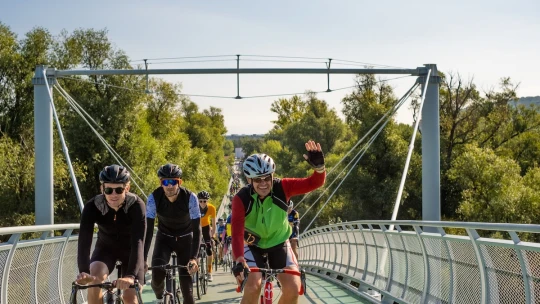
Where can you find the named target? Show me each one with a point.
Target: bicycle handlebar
(104, 285)
(264, 271)
(169, 266)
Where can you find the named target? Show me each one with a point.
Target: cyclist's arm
(195, 214)
(237, 226)
(213, 223)
(297, 186)
(86, 232)
(138, 229)
(150, 220)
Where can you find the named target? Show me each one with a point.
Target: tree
(493, 189)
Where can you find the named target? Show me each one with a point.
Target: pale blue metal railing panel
(409, 265)
(415, 267)
(406, 265)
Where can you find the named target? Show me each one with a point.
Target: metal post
(238, 77)
(43, 139)
(431, 164)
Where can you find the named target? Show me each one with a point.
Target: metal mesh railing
(407, 265)
(411, 265)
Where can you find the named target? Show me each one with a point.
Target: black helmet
(203, 195)
(114, 174)
(169, 171)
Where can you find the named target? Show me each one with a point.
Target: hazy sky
(486, 40)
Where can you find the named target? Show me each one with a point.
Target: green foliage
(493, 189)
(147, 130)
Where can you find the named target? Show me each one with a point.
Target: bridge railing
(39, 263)
(411, 265)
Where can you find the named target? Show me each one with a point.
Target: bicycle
(110, 297)
(269, 275)
(216, 250)
(171, 294)
(228, 262)
(200, 275)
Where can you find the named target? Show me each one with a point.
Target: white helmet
(257, 165)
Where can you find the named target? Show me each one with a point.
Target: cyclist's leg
(186, 285)
(101, 264)
(208, 242)
(252, 289)
(130, 295)
(161, 256)
(294, 246)
(280, 257)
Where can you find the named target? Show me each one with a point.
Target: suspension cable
(358, 155)
(409, 153)
(64, 146)
(74, 104)
(111, 150)
(390, 112)
(363, 150)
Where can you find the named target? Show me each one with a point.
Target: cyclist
(178, 230)
(294, 221)
(119, 216)
(208, 224)
(259, 221)
(227, 236)
(220, 237)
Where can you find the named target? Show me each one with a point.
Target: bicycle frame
(269, 275)
(170, 283)
(109, 289)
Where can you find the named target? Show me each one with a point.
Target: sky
(483, 40)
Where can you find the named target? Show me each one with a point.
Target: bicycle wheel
(215, 261)
(178, 297)
(197, 281)
(109, 298)
(167, 299)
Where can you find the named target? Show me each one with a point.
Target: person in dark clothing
(179, 230)
(120, 217)
(294, 221)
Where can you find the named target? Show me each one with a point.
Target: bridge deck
(222, 290)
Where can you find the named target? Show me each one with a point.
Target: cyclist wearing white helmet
(260, 223)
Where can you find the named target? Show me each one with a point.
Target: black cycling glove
(238, 269)
(315, 159)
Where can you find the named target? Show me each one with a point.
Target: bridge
(428, 261)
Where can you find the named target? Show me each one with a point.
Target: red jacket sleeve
(238, 217)
(297, 186)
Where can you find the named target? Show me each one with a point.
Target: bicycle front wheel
(196, 277)
(167, 299)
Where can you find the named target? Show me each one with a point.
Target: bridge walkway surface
(223, 290)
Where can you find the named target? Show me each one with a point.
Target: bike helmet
(203, 195)
(169, 171)
(258, 165)
(114, 174)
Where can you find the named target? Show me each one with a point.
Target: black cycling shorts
(207, 239)
(109, 255)
(278, 257)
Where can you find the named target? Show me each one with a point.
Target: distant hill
(234, 137)
(530, 100)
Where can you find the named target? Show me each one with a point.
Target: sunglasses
(261, 179)
(203, 201)
(118, 190)
(172, 182)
